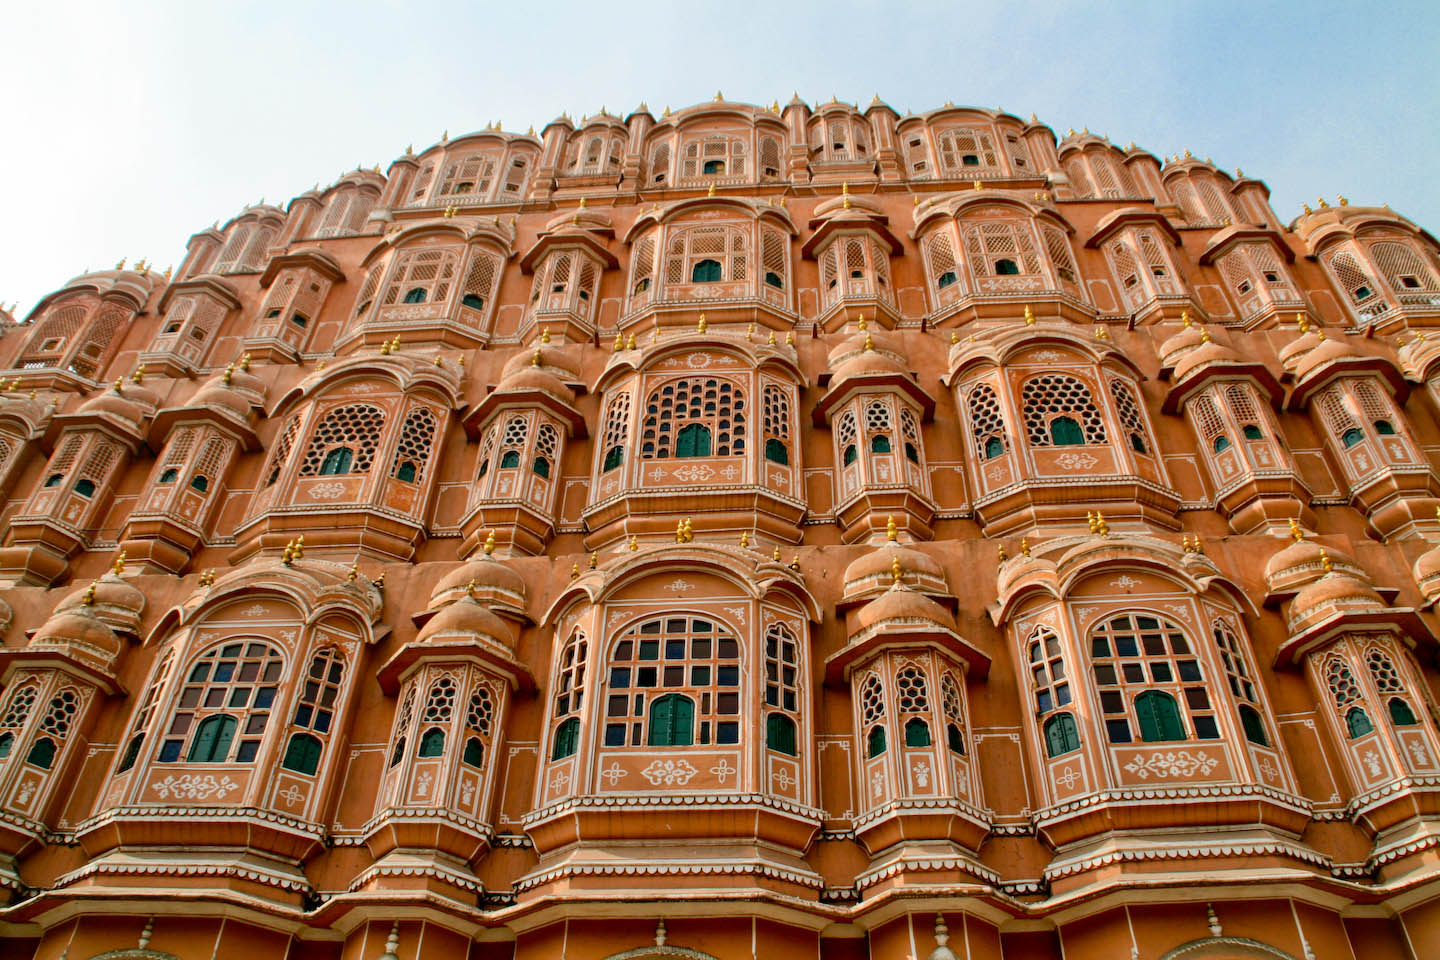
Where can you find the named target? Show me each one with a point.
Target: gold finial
(789, 338)
(445, 137)
(770, 341)
(1324, 204)
(795, 562)
(582, 203)
(745, 539)
(862, 324)
(1320, 335)
(119, 565)
(1204, 335)
(892, 532)
(89, 595)
(689, 533)
(437, 361)
(1297, 534)
(535, 358)
(1239, 174)
(470, 589)
(13, 385)
(654, 332)
(719, 96)
(575, 570)
(139, 375)
(630, 341)
(1326, 562)
(245, 362)
(1303, 322)
(679, 531)
(954, 336)
(321, 364)
(776, 555)
(711, 191)
(1344, 200)
(749, 332)
(700, 324)
(1024, 546)
(354, 573)
(300, 547)
(774, 106)
(977, 185)
(490, 543)
(1029, 316)
(395, 344)
(869, 343)
(120, 265)
(229, 372)
(1307, 208)
(897, 572)
(1189, 155)
(1101, 527)
(844, 186)
(634, 540)
(917, 200)
(288, 556)
(119, 382)
(544, 334)
(1000, 551)
(1090, 518)
(1185, 319)
(380, 582)
(845, 202)
(619, 342)
(1101, 333)
(594, 560)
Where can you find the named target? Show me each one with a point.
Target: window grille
(103, 457)
(422, 184)
(17, 711)
(422, 276)
(910, 430)
(1356, 283)
(440, 701)
(690, 247)
(964, 150)
(1132, 421)
(98, 336)
(912, 697)
(570, 685)
(782, 668)
(68, 454)
(1404, 271)
(617, 424)
(229, 259)
(877, 417)
(1184, 195)
(224, 705)
(643, 266)
(1133, 287)
(355, 426)
(517, 176)
(1335, 413)
(211, 460)
(479, 718)
(180, 446)
(1062, 260)
(680, 678)
(1139, 652)
(320, 693)
(772, 258)
(714, 156)
(1049, 681)
(1233, 657)
(468, 176)
(1079, 178)
(941, 258)
(1050, 396)
(1341, 682)
(479, 281)
(1207, 417)
(281, 451)
(335, 214)
(367, 289)
(56, 330)
(1000, 247)
(417, 438)
(987, 422)
(872, 716)
(1371, 405)
(1383, 672)
(147, 708)
(400, 736)
(1019, 154)
(951, 704)
(777, 415)
(716, 404)
(1215, 206)
(516, 430)
(660, 164)
(769, 157)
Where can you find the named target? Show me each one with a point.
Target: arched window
(423, 276)
(85, 487)
(780, 734)
(1047, 671)
(715, 405)
(1253, 726)
(54, 727)
(547, 442)
(782, 661)
(1242, 688)
(776, 421)
(402, 727)
(940, 256)
(616, 430)
(142, 716)
(1159, 717)
(353, 428)
(1405, 271)
(879, 443)
(567, 739)
(417, 439)
(1141, 652)
(987, 423)
(1061, 735)
(954, 716)
(1344, 691)
(199, 482)
(1400, 713)
(315, 709)
(692, 661)
(281, 451)
(1351, 437)
(912, 703)
(705, 271)
(1053, 397)
(1001, 248)
(1005, 267)
(432, 743)
(416, 295)
(436, 715)
(169, 476)
(1132, 421)
(1389, 683)
(851, 454)
(872, 715)
(479, 717)
(224, 704)
(1357, 723)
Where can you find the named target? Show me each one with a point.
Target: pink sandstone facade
(738, 532)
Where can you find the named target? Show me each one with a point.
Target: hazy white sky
(127, 127)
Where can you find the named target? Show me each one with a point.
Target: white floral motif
(723, 770)
(193, 786)
(782, 778)
(1124, 582)
(1069, 778)
(1048, 356)
(422, 785)
(679, 585)
(730, 472)
(1084, 612)
(1417, 750)
(962, 779)
(1362, 461)
(27, 790)
(1179, 609)
(737, 612)
(560, 781)
(467, 792)
(1372, 762)
(1172, 763)
(698, 361)
(254, 610)
(693, 473)
(920, 769)
(877, 784)
(1076, 461)
(291, 794)
(669, 772)
(1268, 770)
(327, 491)
(614, 773)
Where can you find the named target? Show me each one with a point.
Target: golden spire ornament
(490, 543)
(1029, 316)
(897, 572)
(892, 532)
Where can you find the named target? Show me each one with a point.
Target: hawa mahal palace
(726, 533)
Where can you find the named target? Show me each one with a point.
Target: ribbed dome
(1332, 593)
(854, 345)
(1291, 354)
(115, 601)
(536, 378)
(874, 570)
(902, 603)
(869, 363)
(1302, 562)
(132, 404)
(494, 581)
(1206, 353)
(86, 635)
(1176, 346)
(1427, 573)
(552, 357)
(1327, 351)
(467, 618)
(244, 391)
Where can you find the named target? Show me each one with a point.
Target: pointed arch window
(569, 696)
(479, 719)
(776, 417)
(1060, 411)
(714, 405)
(912, 705)
(344, 441)
(417, 439)
(315, 710)
(147, 709)
(435, 716)
(1061, 735)
(1142, 652)
(1242, 688)
(954, 714)
(54, 727)
(987, 423)
(423, 276)
(872, 716)
(617, 423)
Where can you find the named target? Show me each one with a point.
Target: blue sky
(128, 127)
